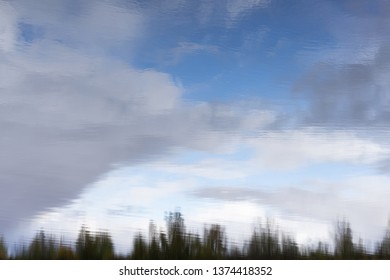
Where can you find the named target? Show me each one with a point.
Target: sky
(114, 112)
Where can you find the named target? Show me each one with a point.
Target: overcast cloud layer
(87, 86)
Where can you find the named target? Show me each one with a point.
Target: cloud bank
(69, 115)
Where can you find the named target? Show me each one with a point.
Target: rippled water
(115, 113)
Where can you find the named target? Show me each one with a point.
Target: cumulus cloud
(68, 117)
(61, 132)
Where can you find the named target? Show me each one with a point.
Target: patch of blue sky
(229, 76)
(29, 32)
(241, 84)
(240, 153)
(258, 57)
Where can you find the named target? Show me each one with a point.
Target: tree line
(265, 242)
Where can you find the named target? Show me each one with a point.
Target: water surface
(115, 113)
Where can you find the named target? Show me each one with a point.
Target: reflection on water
(113, 112)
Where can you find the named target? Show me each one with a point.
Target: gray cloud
(61, 133)
(292, 202)
(349, 84)
(67, 117)
(351, 94)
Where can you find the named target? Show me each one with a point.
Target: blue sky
(114, 112)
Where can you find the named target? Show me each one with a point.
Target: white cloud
(68, 115)
(297, 148)
(238, 8)
(8, 30)
(61, 129)
(211, 169)
(227, 12)
(89, 24)
(121, 203)
(305, 207)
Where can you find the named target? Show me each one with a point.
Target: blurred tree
(344, 247)
(140, 248)
(177, 246)
(42, 247)
(104, 246)
(235, 253)
(164, 245)
(264, 244)
(195, 246)
(320, 252)
(214, 242)
(94, 247)
(383, 248)
(3, 249)
(85, 244)
(154, 245)
(290, 250)
(65, 253)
